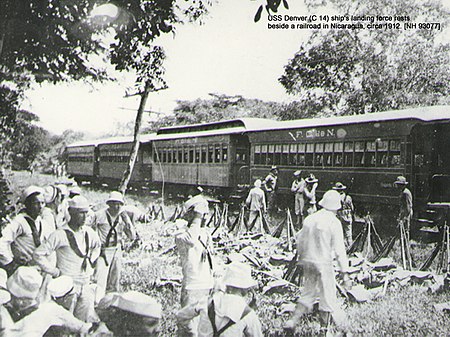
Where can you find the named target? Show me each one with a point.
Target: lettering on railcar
(315, 133)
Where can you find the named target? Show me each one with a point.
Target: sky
(227, 54)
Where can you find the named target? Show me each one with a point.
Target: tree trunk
(134, 149)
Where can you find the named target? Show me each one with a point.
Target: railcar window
(197, 155)
(319, 155)
(394, 153)
(263, 154)
(186, 155)
(258, 155)
(277, 154)
(204, 151)
(270, 151)
(180, 155)
(241, 156)
(191, 155)
(309, 154)
(169, 155)
(382, 152)
(293, 154)
(217, 154)
(285, 155)
(328, 154)
(224, 154)
(210, 154)
(348, 154)
(175, 155)
(338, 157)
(163, 157)
(359, 154)
(370, 159)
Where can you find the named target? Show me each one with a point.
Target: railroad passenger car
(365, 152)
(214, 155)
(104, 161)
(81, 158)
(114, 155)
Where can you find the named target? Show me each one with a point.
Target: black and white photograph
(225, 168)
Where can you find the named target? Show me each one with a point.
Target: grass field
(403, 311)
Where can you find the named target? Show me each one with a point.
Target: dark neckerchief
(17, 315)
(112, 230)
(74, 245)
(36, 233)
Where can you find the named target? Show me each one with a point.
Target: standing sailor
(270, 184)
(77, 248)
(406, 203)
(318, 242)
(298, 187)
(256, 202)
(112, 225)
(345, 214)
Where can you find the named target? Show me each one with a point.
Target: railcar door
(430, 144)
(241, 167)
(96, 172)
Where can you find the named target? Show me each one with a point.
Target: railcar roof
(425, 114)
(233, 124)
(113, 140)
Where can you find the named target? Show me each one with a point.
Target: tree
(28, 141)
(137, 25)
(218, 107)
(358, 71)
(47, 40)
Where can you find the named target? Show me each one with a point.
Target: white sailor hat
(29, 191)
(60, 286)
(25, 282)
(138, 303)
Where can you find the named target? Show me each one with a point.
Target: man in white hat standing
(346, 213)
(27, 317)
(77, 249)
(298, 186)
(227, 314)
(256, 202)
(112, 225)
(194, 246)
(406, 203)
(309, 193)
(319, 241)
(196, 208)
(25, 232)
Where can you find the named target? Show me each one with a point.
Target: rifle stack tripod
(442, 249)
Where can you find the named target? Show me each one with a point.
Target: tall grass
(403, 311)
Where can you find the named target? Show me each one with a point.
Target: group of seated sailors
(61, 265)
